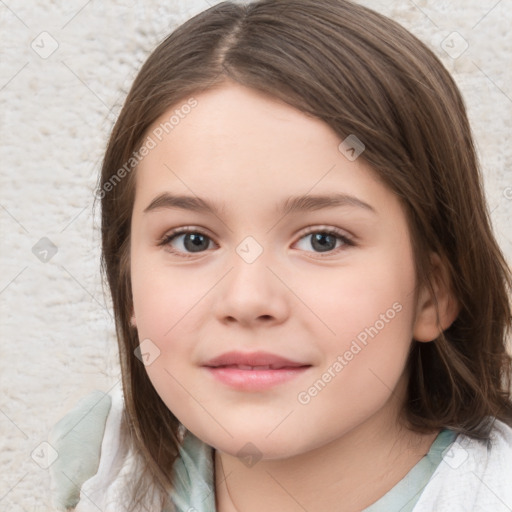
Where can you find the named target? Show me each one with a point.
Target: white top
(473, 475)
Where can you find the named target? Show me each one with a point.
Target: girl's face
(327, 283)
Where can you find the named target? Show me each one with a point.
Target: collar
(194, 483)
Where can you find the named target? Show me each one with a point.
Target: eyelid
(185, 229)
(326, 229)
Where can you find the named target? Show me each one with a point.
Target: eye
(326, 240)
(184, 241)
(188, 241)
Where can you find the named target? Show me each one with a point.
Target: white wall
(57, 339)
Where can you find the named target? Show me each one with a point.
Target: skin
(249, 152)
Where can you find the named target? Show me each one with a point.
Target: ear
(430, 320)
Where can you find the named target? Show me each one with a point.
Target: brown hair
(363, 74)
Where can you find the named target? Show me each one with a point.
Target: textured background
(57, 338)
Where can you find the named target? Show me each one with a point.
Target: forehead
(240, 148)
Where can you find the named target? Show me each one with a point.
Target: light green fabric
(194, 485)
(77, 439)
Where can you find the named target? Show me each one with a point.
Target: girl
(310, 304)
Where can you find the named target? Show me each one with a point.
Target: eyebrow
(293, 204)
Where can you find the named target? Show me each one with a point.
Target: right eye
(186, 241)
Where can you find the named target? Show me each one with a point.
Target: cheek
(367, 315)
(159, 300)
(166, 307)
(364, 360)
(372, 295)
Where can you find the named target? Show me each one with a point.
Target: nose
(252, 295)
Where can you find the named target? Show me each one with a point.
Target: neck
(346, 474)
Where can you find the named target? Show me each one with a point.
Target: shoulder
(501, 437)
(474, 474)
(77, 440)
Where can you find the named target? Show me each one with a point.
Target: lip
(254, 380)
(235, 369)
(253, 359)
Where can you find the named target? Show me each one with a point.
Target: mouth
(248, 360)
(259, 367)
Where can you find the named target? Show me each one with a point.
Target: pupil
(196, 240)
(319, 242)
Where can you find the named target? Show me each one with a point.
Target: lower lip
(255, 380)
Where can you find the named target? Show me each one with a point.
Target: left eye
(326, 240)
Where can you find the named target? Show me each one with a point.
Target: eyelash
(169, 237)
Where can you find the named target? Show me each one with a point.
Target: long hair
(361, 73)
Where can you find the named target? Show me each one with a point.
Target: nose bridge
(251, 291)
(250, 274)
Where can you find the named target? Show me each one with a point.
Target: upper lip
(253, 359)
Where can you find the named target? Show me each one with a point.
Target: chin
(256, 444)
